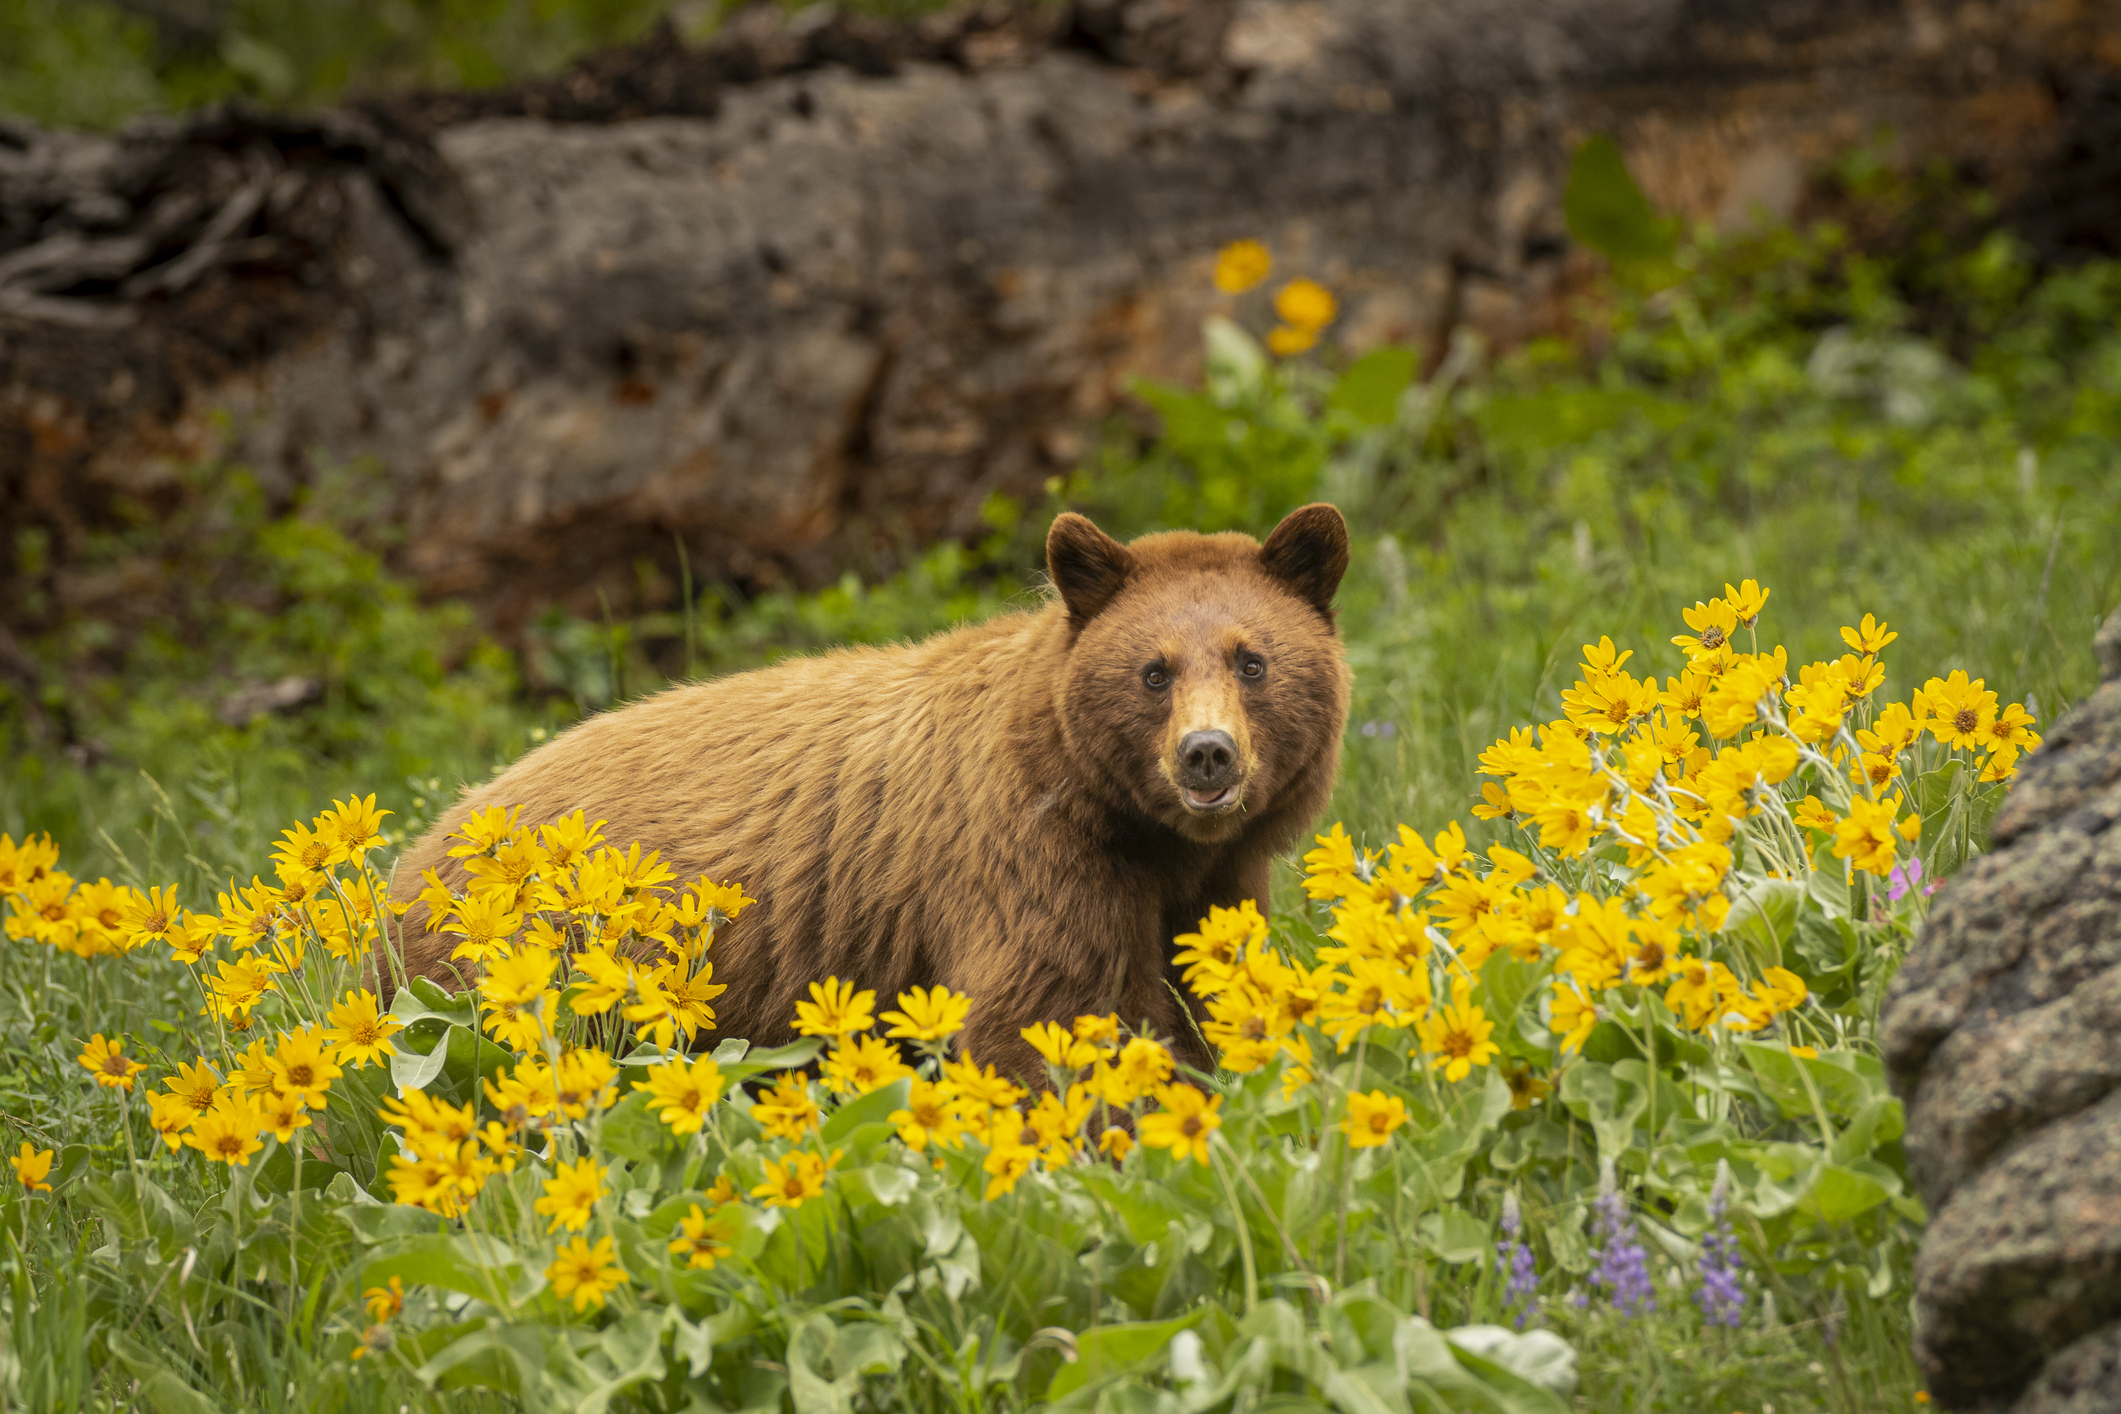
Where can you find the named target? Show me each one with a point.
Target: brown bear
(1025, 810)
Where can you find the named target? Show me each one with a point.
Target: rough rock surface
(827, 278)
(2003, 1034)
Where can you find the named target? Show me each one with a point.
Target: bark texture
(2000, 1035)
(831, 279)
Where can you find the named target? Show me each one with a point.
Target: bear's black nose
(1207, 761)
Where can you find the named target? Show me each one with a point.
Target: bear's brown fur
(1026, 810)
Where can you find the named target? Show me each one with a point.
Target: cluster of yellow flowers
(1625, 775)
(1304, 306)
(551, 907)
(88, 920)
(1097, 1073)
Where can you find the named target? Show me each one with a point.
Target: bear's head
(1204, 673)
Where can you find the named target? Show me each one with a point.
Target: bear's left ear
(1308, 552)
(1088, 566)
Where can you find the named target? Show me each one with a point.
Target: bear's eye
(1252, 666)
(1155, 676)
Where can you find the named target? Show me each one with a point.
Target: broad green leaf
(423, 997)
(1842, 1081)
(414, 1069)
(632, 1131)
(1370, 389)
(789, 1057)
(1607, 212)
(1842, 1192)
(473, 1263)
(873, 1108)
(1763, 919)
(1103, 1352)
(1455, 1235)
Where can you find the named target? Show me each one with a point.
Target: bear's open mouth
(1200, 800)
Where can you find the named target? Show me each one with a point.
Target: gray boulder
(2003, 1035)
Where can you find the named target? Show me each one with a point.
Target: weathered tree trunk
(807, 283)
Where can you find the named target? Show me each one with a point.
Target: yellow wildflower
(385, 1302)
(1457, 1035)
(928, 1014)
(301, 1068)
(1746, 601)
(794, 1180)
(106, 1061)
(702, 1239)
(228, 1133)
(859, 1065)
(1142, 1066)
(1708, 647)
(352, 827)
(281, 1113)
(571, 1193)
(1866, 838)
(359, 1032)
(1058, 1045)
(1372, 1118)
(1870, 637)
(930, 1117)
(835, 1008)
(682, 1093)
(1184, 1123)
(787, 1111)
(30, 1166)
(1240, 265)
(585, 1273)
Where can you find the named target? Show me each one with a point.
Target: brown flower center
(1966, 719)
(300, 1076)
(1191, 1127)
(1712, 636)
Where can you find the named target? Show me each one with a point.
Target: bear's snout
(1208, 769)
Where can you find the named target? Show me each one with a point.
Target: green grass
(1929, 440)
(97, 63)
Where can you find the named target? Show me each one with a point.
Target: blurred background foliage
(97, 63)
(1895, 412)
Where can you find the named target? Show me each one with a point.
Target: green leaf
(1842, 1081)
(1763, 919)
(1370, 389)
(1104, 1352)
(412, 1069)
(277, 1174)
(422, 997)
(789, 1057)
(872, 1108)
(632, 1131)
(473, 1263)
(1607, 212)
(1934, 789)
(1842, 1192)
(1455, 1235)
(1236, 366)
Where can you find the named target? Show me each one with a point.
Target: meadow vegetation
(99, 63)
(1549, 1083)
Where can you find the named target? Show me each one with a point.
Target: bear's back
(819, 783)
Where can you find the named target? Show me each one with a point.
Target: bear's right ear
(1088, 566)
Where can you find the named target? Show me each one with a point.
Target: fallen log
(822, 281)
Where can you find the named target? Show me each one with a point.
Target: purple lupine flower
(1623, 1267)
(1721, 1298)
(1522, 1288)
